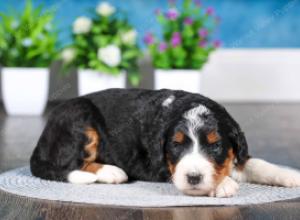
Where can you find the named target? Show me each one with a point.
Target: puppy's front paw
(227, 188)
(111, 174)
(288, 178)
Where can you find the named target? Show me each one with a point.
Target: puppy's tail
(262, 172)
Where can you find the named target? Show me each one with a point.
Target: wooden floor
(273, 132)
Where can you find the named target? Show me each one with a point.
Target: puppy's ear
(233, 131)
(239, 144)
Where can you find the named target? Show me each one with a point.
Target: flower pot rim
(25, 68)
(100, 72)
(179, 70)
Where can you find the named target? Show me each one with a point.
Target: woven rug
(138, 194)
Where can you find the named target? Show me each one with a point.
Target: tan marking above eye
(179, 137)
(213, 137)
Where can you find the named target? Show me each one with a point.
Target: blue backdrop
(244, 23)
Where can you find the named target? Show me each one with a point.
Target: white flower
(68, 55)
(105, 9)
(82, 25)
(110, 55)
(129, 37)
(26, 42)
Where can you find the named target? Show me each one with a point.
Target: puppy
(118, 135)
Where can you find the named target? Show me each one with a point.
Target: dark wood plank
(18, 207)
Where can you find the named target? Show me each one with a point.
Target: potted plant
(27, 48)
(185, 45)
(104, 49)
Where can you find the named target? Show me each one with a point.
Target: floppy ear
(239, 144)
(235, 134)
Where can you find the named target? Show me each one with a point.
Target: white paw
(111, 174)
(227, 188)
(81, 177)
(288, 178)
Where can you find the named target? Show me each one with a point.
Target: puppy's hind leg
(262, 172)
(93, 171)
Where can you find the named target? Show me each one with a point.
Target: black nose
(194, 178)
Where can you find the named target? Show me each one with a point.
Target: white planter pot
(90, 81)
(188, 80)
(25, 90)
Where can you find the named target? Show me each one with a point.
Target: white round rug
(138, 194)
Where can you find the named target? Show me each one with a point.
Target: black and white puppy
(118, 135)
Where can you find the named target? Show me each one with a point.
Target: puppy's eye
(217, 149)
(212, 137)
(217, 144)
(179, 137)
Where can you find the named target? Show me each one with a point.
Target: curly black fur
(136, 133)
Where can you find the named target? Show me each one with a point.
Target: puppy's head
(199, 151)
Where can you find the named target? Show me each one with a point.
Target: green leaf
(134, 79)
(100, 41)
(130, 54)
(186, 4)
(161, 19)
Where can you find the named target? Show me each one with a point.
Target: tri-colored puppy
(116, 135)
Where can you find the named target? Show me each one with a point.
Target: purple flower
(188, 21)
(202, 44)
(149, 38)
(203, 32)
(217, 43)
(210, 11)
(176, 39)
(162, 46)
(157, 11)
(198, 3)
(172, 14)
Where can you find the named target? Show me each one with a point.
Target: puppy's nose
(194, 178)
